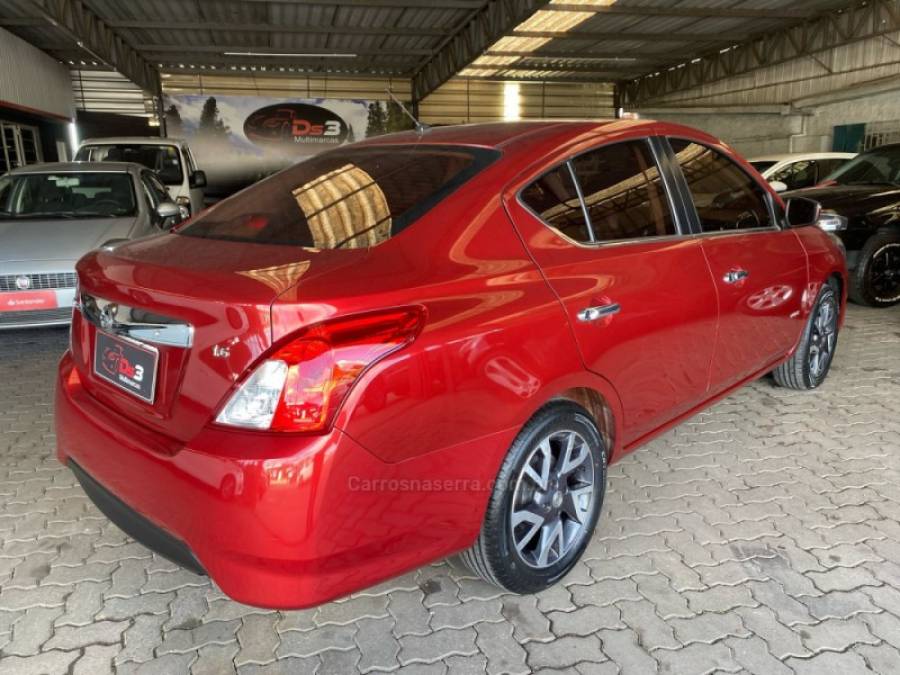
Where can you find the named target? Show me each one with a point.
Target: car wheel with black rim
(545, 503)
(876, 280)
(810, 363)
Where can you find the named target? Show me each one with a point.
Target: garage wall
(457, 101)
(462, 101)
(32, 79)
(794, 106)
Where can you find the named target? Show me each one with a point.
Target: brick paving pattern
(762, 536)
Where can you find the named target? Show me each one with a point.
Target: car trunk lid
(203, 306)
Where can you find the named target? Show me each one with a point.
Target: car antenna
(421, 127)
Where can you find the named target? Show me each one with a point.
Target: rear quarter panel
(496, 345)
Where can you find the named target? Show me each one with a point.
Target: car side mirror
(778, 186)
(802, 212)
(168, 215)
(198, 179)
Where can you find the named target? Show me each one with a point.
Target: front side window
(156, 190)
(623, 192)
(875, 167)
(797, 175)
(354, 197)
(726, 198)
(762, 165)
(66, 195)
(163, 159)
(554, 198)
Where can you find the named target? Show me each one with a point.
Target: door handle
(598, 312)
(734, 276)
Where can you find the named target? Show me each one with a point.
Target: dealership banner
(238, 140)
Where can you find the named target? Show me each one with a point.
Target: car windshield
(348, 198)
(762, 165)
(66, 195)
(164, 159)
(875, 167)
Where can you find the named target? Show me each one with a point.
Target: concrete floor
(763, 536)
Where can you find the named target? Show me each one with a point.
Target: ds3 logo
(295, 123)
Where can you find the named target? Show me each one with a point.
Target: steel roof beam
(488, 24)
(668, 36)
(95, 37)
(278, 28)
(585, 54)
(860, 21)
(389, 4)
(269, 51)
(688, 12)
(556, 68)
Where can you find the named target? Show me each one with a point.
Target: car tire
(809, 364)
(880, 248)
(545, 477)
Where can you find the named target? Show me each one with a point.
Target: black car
(861, 205)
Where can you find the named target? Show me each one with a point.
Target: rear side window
(355, 197)
(554, 198)
(623, 192)
(725, 196)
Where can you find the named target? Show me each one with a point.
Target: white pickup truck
(170, 158)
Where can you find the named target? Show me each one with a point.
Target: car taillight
(300, 387)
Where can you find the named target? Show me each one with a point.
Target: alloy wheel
(822, 337)
(884, 273)
(553, 499)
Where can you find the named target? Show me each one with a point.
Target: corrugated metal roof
(396, 38)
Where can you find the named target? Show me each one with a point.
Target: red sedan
(425, 344)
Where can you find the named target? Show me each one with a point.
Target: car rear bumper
(60, 316)
(282, 522)
(134, 524)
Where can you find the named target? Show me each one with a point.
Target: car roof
(142, 140)
(502, 135)
(80, 167)
(799, 156)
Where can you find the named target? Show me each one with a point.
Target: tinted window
(164, 159)
(725, 196)
(348, 198)
(554, 198)
(158, 191)
(762, 165)
(875, 167)
(826, 166)
(623, 192)
(797, 175)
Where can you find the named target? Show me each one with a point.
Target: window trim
(688, 197)
(683, 230)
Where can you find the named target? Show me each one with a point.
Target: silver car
(52, 214)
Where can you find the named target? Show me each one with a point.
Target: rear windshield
(354, 197)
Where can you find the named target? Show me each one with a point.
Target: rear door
(635, 287)
(759, 269)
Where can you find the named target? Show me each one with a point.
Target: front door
(758, 268)
(637, 292)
